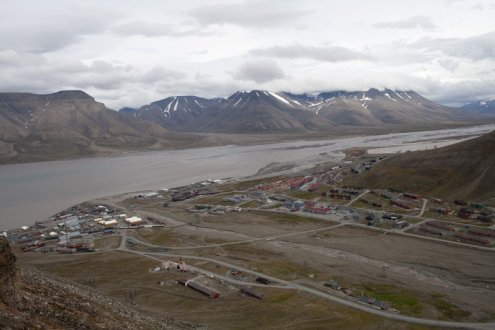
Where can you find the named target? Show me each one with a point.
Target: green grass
(251, 183)
(251, 204)
(273, 206)
(281, 297)
(290, 218)
(449, 310)
(413, 220)
(301, 194)
(406, 302)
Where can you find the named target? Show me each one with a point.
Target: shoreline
(248, 139)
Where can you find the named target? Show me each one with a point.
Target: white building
(134, 220)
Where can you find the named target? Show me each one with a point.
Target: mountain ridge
(480, 107)
(279, 111)
(68, 123)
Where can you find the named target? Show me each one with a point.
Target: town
(261, 237)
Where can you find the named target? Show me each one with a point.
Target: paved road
(357, 198)
(423, 208)
(291, 285)
(282, 284)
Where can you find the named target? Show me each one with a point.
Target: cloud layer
(129, 54)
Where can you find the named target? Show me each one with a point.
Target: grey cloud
(327, 54)
(159, 73)
(475, 48)
(28, 72)
(462, 92)
(41, 36)
(150, 29)
(260, 71)
(415, 22)
(249, 13)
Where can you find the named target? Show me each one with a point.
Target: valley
(72, 124)
(326, 253)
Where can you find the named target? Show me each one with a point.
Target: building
(401, 224)
(209, 292)
(69, 222)
(332, 284)
(134, 220)
(110, 223)
(148, 195)
(263, 280)
(440, 226)
(251, 293)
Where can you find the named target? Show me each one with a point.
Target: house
(378, 304)
(251, 293)
(110, 223)
(69, 222)
(332, 284)
(149, 195)
(401, 224)
(363, 299)
(263, 280)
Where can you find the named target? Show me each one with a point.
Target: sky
(131, 53)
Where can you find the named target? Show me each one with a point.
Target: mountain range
(482, 107)
(71, 123)
(264, 111)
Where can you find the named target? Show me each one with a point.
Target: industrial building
(251, 293)
(207, 291)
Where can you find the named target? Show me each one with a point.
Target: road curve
(321, 294)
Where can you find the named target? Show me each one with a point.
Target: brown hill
(463, 170)
(68, 123)
(30, 299)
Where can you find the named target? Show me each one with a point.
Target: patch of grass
(160, 236)
(290, 218)
(272, 206)
(251, 204)
(284, 269)
(112, 242)
(413, 220)
(280, 298)
(215, 200)
(449, 310)
(363, 205)
(251, 183)
(308, 194)
(406, 302)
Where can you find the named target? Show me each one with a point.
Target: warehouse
(209, 292)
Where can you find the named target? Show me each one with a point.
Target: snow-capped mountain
(262, 111)
(175, 112)
(482, 107)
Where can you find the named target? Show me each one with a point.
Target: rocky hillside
(264, 111)
(463, 170)
(68, 123)
(30, 299)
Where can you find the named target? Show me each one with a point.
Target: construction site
(301, 251)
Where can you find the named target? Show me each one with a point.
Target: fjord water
(35, 191)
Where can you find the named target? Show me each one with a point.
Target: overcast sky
(130, 53)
